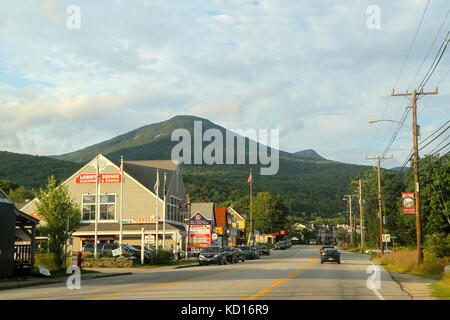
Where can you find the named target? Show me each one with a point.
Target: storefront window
(107, 207)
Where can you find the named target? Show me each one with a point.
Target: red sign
(408, 203)
(103, 178)
(282, 232)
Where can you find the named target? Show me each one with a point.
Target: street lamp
(402, 124)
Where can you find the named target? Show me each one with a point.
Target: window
(107, 207)
(173, 211)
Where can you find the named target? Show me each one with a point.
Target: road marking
(378, 294)
(160, 285)
(279, 282)
(175, 282)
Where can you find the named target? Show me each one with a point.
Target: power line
(435, 138)
(429, 50)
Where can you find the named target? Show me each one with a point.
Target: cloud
(313, 70)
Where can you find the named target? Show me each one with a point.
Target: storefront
(127, 202)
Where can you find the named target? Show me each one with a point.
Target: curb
(187, 266)
(57, 280)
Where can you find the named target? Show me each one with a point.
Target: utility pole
(349, 198)
(414, 95)
(379, 197)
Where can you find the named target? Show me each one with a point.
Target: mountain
(33, 171)
(309, 153)
(311, 185)
(309, 182)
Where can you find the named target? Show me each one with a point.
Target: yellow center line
(280, 281)
(172, 283)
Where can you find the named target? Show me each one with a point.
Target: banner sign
(139, 220)
(103, 178)
(199, 231)
(408, 203)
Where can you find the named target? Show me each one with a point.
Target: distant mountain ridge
(309, 183)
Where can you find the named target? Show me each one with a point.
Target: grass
(405, 261)
(441, 290)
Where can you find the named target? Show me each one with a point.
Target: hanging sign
(408, 203)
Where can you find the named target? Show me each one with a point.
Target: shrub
(437, 245)
(162, 257)
(87, 255)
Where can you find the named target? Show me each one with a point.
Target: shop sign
(139, 220)
(219, 230)
(199, 231)
(103, 178)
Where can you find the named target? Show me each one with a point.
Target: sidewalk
(416, 286)
(35, 281)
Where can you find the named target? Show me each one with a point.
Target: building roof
(21, 217)
(144, 171)
(206, 209)
(220, 215)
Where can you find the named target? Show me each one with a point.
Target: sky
(312, 69)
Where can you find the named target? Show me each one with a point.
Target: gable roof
(145, 171)
(220, 215)
(206, 209)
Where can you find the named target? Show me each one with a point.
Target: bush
(87, 255)
(437, 245)
(162, 257)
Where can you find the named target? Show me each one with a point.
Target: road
(292, 274)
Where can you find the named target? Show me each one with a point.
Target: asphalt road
(295, 273)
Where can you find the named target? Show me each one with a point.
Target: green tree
(20, 194)
(56, 207)
(269, 213)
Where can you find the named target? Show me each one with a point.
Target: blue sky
(312, 69)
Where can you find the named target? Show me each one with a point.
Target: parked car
(288, 243)
(240, 254)
(280, 245)
(250, 252)
(148, 251)
(330, 255)
(313, 242)
(90, 248)
(264, 250)
(212, 254)
(231, 254)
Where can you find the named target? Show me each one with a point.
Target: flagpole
(157, 207)
(96, 208)
(164, 213)
(121, 201)
(251, 207)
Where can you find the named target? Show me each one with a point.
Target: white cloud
(312, 69)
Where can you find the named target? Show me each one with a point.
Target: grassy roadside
(406, 262)
(441, 290)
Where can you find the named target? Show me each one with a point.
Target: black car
(330, 255)
(280, 245)
(231, 254)
(250, 252)
(240, 254)
(264, 250)
(212, 254)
